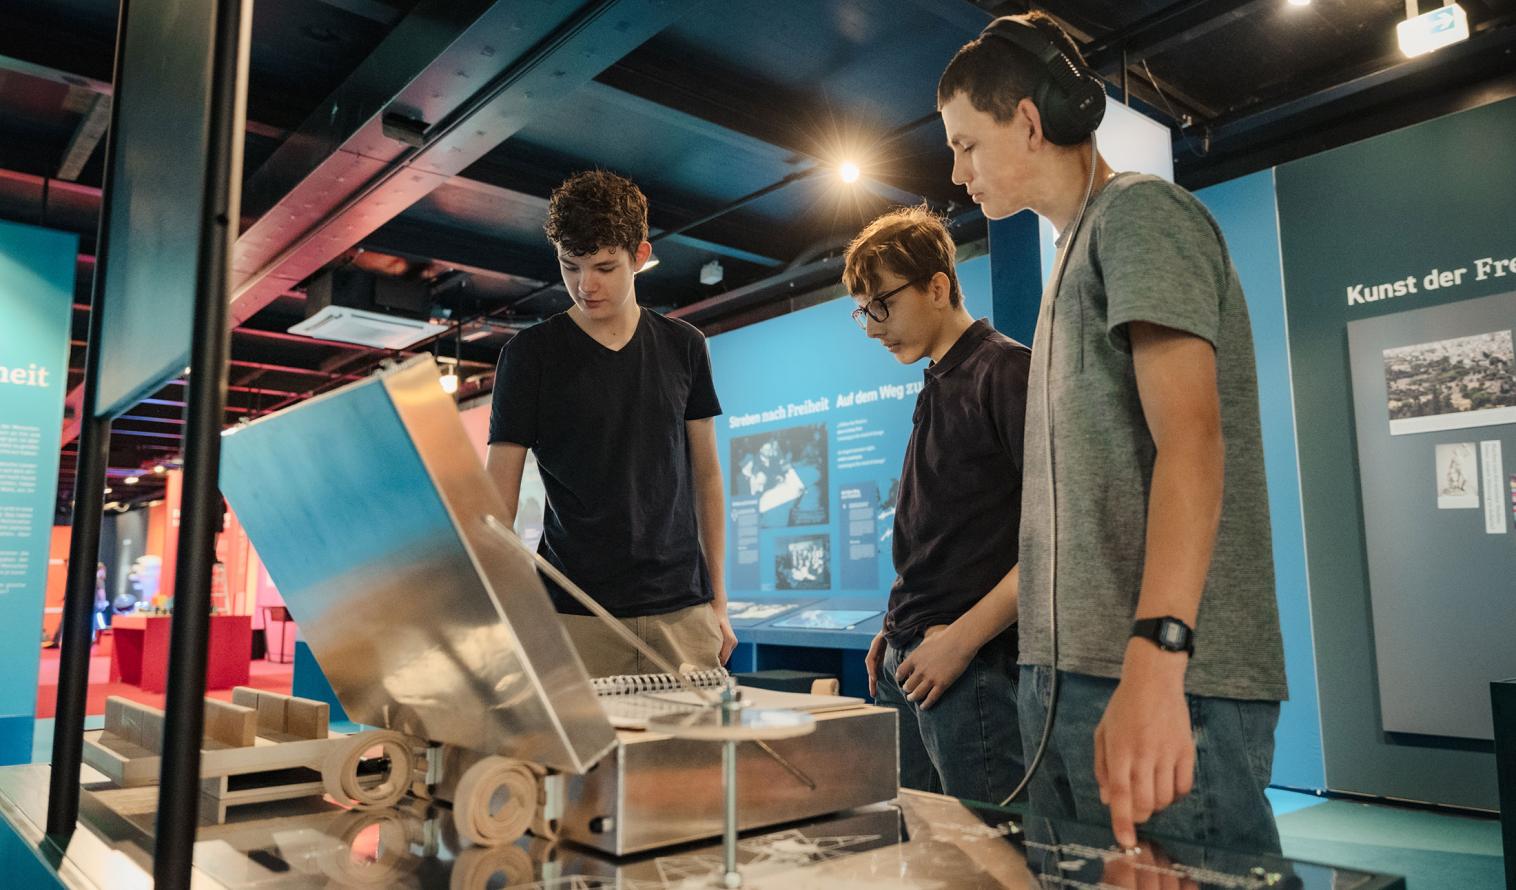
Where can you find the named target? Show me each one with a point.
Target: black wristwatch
(1168, 632)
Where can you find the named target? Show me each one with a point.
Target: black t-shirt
(608, 430)
(957, 523)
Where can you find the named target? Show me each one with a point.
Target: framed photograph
(1451, 384)
(803, 563)
(1457, 477)
(786, 470)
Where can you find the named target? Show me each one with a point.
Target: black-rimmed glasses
(876, 308)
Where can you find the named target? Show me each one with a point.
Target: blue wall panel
(1246, 210)
(36, 307)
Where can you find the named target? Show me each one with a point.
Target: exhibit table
(139, 654)
(919, 841)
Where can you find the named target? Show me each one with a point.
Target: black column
(84, 541)
(201, 508)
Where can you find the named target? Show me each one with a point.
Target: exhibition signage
(36, 300)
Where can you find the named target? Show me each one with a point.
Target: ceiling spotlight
(131, 480)
(1430, 31)
(1300, 2)
(160, 469)
(449, 378)
(849, 172)
(108, 489)
(652, 260)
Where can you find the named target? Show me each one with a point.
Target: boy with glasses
(946, 659)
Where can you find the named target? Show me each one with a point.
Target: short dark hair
(594, 210)
(912, 242)
(996, 75)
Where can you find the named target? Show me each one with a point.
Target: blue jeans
(1234, 756)
(968, 744)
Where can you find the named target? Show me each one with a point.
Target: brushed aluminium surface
(656, 790)
(367, 506)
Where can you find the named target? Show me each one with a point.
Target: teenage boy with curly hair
(618, 405)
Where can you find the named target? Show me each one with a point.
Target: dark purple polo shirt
(957, 523)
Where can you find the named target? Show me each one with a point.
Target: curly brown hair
(912, 242)
(596, 209)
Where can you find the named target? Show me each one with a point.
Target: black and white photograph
(1451, 384)
(803, 563)
(786, 470)
(1457, 477)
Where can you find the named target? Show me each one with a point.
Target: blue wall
(36, 306)
(1246, 210)
(797, 362)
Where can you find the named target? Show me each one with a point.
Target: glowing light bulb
(849, 172)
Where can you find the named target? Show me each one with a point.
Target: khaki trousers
(689, 636)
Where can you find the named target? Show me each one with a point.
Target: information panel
(817, 420)
(36, 302)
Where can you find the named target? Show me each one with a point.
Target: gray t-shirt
(1147, 251)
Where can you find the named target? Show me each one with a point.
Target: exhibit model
(429, 617)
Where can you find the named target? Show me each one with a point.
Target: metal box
(654, 791)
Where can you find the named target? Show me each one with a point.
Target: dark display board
(1392, 209)
(1434, 394)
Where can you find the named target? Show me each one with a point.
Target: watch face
(1172, 634)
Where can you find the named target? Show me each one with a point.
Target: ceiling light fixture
(849, 171)
(1300, 2)
(1421, 34)
(130, 480)
(160, 469)
(449, 378)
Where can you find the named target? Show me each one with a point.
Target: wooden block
(271, 716)
(152, 729)
(230, 724)
(306, 719)
(829, 686)
(115, 715)
(246, 696)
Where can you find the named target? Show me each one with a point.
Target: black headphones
(1070, 98)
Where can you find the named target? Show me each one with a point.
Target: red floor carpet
(263, 675)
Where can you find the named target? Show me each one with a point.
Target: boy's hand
(934, 666)
(874, 661)
(1144, 746)
(728, 636)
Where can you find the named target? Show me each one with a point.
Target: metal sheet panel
(367, 506)
(155, 206)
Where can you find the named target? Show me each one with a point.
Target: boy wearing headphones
(946, 658)
(1142, 400)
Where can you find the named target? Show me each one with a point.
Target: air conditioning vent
(347, 325)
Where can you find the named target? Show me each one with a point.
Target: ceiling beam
(461, 77)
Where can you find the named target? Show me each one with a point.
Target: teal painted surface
(21, 864)
(36, 307)
(1396, 205)
(1431, 850)
(1246, 211)
(309, 682)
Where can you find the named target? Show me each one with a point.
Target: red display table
(140, 653)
